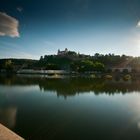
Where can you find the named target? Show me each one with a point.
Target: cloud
(20, 9)
(138, 24)
(8, 25)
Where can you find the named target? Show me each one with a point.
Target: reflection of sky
(118, 114)
(134, 107)
(18, 89)
(131, 106)
(85, 26)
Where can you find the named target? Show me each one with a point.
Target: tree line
(71, 61)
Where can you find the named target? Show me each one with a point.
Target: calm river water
(70, 108)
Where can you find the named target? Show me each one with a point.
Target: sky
(31, 28)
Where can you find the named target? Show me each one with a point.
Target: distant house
(121, 69)
(62, 52)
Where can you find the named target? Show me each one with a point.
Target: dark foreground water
(70, 108)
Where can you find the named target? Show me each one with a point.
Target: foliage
(127, 77)
(73, 61)
(108, 77)
(9, 66)
(71, 53)
(87, 65)
(52, 67)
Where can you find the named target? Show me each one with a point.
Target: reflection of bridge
(31, 71)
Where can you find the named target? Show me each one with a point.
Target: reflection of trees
(72, 86)
(80, 85)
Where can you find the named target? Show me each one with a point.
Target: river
(38, 108)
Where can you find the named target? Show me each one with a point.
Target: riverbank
(6, 134)
(63, 74)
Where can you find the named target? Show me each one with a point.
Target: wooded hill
(71, 61)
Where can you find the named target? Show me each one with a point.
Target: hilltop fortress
(62, 52)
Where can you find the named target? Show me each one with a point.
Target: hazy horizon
(29, 29)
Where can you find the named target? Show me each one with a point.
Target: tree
(99, 66)
(72, 53)
(41, 58)
(9, 66)
(87, 65)
(52, 67)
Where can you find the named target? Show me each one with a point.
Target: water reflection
(30, 107)
(72, 86)
(138, 125)
(8, 116)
